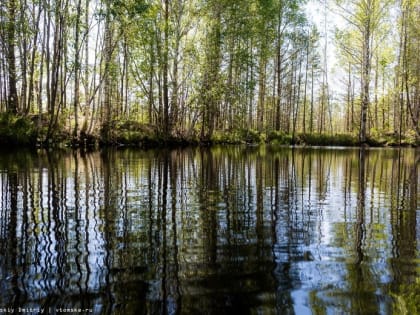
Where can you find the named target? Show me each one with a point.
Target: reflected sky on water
(250, 230)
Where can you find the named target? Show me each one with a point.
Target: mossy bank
(32, 131)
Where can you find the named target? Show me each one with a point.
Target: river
(222, 230)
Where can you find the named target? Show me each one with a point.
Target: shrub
(17, 130)
(231, 137)
(279, 138)
(251, 136)
(328, 140)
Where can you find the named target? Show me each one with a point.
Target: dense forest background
(207, 70)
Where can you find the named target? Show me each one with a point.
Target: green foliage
(233, 137)
(252, 136)
(130, 132)
(327, 140)
(279, 138)
(130, 137)
(407, 301)
(17, 130)
(134, 133)
(409, 138)
(208, 67)
(249, 136)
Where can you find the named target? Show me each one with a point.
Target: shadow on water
(216, 231)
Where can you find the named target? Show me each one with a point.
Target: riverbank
(25, 132)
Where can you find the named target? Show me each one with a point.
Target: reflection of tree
(259, 174)
(405, 285)
(360, 214)
(283, 235)
(56, 225)
(107, 211)
(163, 184)
(359, 276)
(174, 168)
(209, 190)
(211, 229)
(12, 236)
(78, 230)
(87, 254)
(347, 188)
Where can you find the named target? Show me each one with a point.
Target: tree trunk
(311, 119)
(278, 74)
(166, 125)
(306, 84)
(151, 86)
(30, 96)
(76, 69)
(12, 101)
(261, 90)
(106, 124)
(365, 82)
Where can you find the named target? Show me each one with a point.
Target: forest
(205, 71)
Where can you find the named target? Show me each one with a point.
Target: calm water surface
(211, 231)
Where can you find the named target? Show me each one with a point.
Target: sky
(316, 13)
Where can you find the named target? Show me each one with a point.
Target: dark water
(221, 231)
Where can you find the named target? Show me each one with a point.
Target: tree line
(199, 69)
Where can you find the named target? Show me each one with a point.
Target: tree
(364, 17)
(12, 101)
(410, 62)
(211, 79)
(77, 67)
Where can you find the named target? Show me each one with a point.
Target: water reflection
(243, 229)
